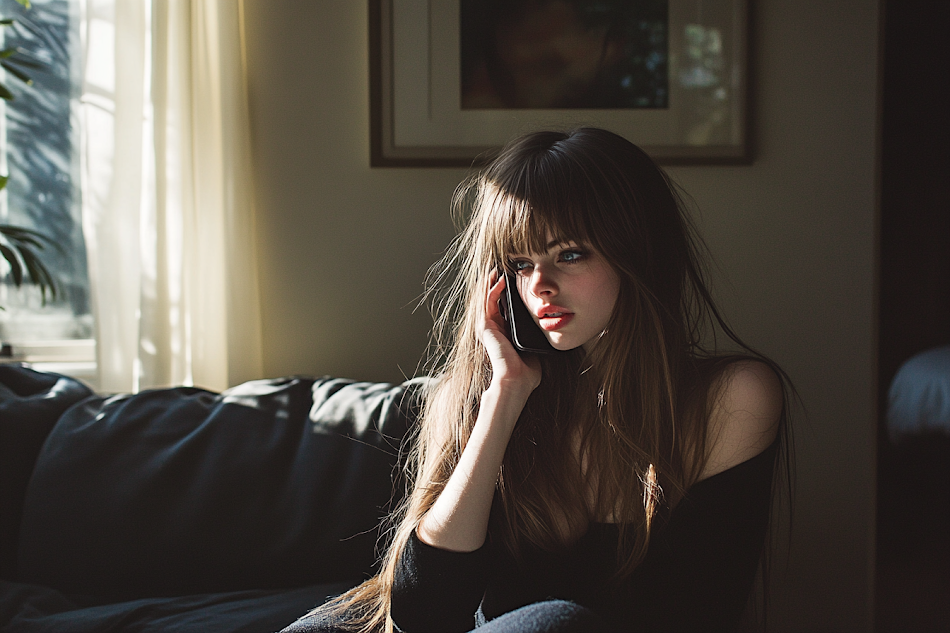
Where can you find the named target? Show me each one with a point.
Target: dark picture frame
(416, 117)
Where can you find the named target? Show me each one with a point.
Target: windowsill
(74, 358)
(62, 351)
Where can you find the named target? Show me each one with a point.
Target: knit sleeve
(438, 591)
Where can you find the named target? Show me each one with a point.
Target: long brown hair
(636, 405)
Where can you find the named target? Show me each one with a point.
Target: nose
(543, 282)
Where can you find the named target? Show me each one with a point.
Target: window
(39, 151)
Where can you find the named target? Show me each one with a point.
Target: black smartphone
(526, 336)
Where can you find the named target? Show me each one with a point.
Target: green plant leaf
(17, 235)
(16, 270)
(17, 246)
(27, 240)
(16, 72)
(20, 246)
(38, 273)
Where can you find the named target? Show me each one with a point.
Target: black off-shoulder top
(696, 576)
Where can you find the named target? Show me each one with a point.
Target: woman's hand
(458, 520)
(509, 368)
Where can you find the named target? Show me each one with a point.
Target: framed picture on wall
(453, 80)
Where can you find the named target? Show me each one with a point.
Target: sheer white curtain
(167, 203)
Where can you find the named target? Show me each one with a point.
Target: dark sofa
(185, 510)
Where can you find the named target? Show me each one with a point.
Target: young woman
(621, 483)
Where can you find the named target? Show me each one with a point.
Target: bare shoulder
(745, 416)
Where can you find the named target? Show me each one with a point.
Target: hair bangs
(527, 219)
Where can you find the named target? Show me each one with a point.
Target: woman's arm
(458, 520)
(441, 574)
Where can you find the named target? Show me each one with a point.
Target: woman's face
(570, 291)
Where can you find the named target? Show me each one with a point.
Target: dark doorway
(913, 557)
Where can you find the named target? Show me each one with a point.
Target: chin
(564, 346)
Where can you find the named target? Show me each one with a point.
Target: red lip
(552, 324)
(552, 309)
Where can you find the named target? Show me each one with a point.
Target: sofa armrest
(31, 402)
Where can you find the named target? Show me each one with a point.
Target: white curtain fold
(167, 200)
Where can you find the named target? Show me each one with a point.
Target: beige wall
(344, 247)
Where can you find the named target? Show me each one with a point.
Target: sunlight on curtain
(167, 201)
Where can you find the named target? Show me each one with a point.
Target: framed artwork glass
(453, 80)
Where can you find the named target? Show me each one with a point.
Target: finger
(496, 343)
(496, 283)
(495, 297)
(496, 287)
(496, 279)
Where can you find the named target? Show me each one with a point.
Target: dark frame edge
(378, 157)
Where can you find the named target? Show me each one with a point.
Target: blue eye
(572, 257)
(519, 266)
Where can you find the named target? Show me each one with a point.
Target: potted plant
(21, 247)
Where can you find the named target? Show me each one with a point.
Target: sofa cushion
(30, 404)
(33, 609)
(272, 484)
